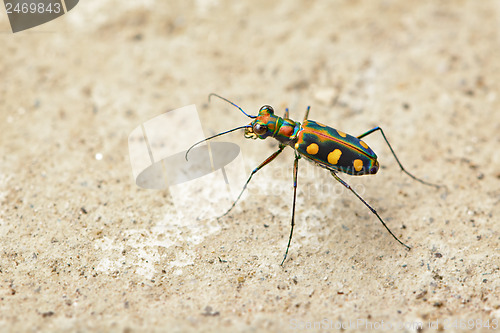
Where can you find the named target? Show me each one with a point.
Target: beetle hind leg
(369, 207)
(397, 159)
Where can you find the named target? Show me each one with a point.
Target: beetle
(329, 148)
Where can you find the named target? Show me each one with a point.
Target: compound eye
(259, 129)
(267, 108)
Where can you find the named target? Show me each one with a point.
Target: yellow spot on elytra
(334, 156)
(361, 142)
(297, 145)
(312, 149)
(358, 165)
(342, 134)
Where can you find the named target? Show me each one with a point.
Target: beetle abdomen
(335, 149)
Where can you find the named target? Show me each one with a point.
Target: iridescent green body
(326, 146)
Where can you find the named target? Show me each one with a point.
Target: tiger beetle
(325, 146)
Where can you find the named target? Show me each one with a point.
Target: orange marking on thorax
(286, 131)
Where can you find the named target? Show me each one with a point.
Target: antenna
(214, 136)
(225, 99)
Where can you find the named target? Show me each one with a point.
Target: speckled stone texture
(82, 248)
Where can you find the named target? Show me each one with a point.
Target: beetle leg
(295, 172)
(367, 205)
(394, 154)
(307, 113)
(267, 161)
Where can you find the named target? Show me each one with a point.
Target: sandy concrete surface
(82, 248)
